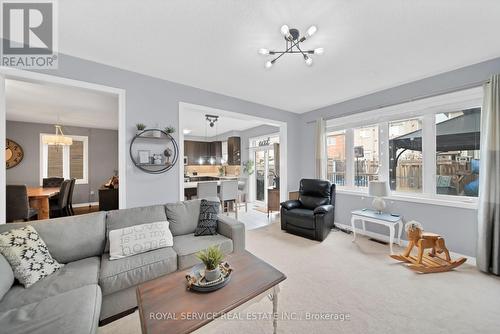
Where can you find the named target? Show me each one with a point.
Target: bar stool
(206, 189)
(229, 193)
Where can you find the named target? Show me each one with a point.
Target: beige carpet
(361, 281)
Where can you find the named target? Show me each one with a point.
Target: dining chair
(52, 182)
(207, 189)
(242, 195)
(61, 208)
(17, 202)
(229, 194)
(70, 197)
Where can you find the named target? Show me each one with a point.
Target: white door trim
(12, 73)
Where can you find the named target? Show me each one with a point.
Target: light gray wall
(457, 225)
(150, 100)
(103, 156)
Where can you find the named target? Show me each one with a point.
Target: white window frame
(425, 110)
(44, 163)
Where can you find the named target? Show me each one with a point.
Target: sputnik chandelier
(293, 40)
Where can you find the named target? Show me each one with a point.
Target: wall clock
(13, 153)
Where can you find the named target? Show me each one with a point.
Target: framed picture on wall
(144, 156)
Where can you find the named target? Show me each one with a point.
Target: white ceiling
(212, 44)
(227, 122)
(50, 104)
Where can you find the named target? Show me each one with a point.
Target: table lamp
(378, 189)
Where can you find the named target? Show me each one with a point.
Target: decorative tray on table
(196, 278)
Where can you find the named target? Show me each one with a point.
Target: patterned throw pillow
(207, 223)
(28, 255)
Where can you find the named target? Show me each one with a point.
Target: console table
(372, 216)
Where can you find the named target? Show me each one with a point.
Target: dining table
(39, 199)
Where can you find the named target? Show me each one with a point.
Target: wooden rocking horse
(431, 262)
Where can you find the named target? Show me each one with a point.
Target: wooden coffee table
(166, 306)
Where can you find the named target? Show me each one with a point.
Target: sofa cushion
(134, 216)
(72, 276)
(28, 255)
(6, 276)
(186, 246)
(70, 238)
(183, 216)
(129, 271)
(302, 218)
(75, 311)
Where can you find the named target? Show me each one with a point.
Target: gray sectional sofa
(90, 287)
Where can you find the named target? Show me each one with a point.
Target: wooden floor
(86, 209)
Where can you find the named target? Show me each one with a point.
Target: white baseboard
(470, 260)
(82, 205)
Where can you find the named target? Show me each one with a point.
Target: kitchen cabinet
(234, 151)
(194, 150)
(215, 150)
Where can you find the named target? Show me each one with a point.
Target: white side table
(383, 218)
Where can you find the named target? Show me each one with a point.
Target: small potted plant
(211, 258)
(221, 170)
(169, 129)
(248, 167)
(140, 127)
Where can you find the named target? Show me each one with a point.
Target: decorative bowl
(196, 278)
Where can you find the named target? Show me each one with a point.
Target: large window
(427, 148)
(457, 152)
(65, 161)
(405, 155)
(366, 155)
(335, 146)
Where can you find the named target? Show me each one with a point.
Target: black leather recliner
(312, 215)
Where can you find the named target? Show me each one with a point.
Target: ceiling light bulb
(319, 51)
(311, 31)
(285, 31)
(263, 51)
(308, 60)
(268, 64)
(186, 131)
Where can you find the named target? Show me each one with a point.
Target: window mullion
(349, 157)
(66, 162)
(44, 162)
(429, 154)
(383, 136)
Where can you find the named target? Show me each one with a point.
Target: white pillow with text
(138, 239)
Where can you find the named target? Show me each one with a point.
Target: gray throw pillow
(183, 216)
(28, 255)
(6, 276)
(207, 223)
